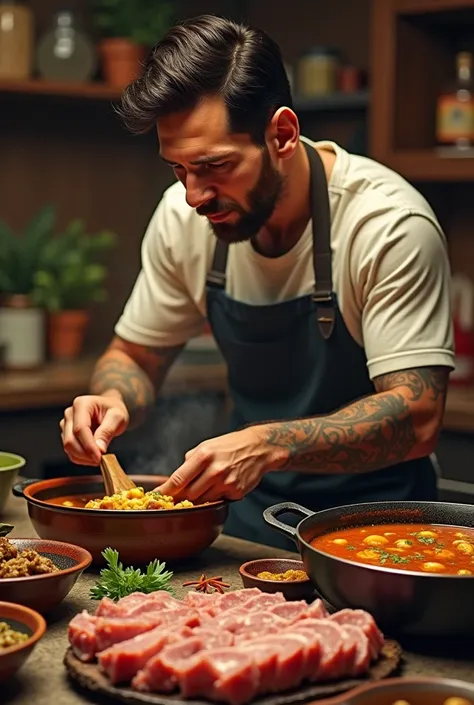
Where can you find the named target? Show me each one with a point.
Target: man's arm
(133, 373)
(399, 422)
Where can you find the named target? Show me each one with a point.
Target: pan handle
(271, 515)
(19, 487)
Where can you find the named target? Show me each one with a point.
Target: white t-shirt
(391, 270)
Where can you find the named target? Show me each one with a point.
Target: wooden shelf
(334, 101)
(428, 165)
(97, 91)
(459, 413)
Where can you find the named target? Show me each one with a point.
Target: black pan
(402, 602)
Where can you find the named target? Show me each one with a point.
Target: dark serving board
(89, 677)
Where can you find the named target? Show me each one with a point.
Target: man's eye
(176, 166)
(219, 165)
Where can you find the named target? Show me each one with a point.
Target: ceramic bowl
(415, 691)
(21, 619)
(44, 592)
(138, 536)
(10, 466)
(291, 589)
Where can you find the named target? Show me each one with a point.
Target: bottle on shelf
(16, 40)
(455, 108)
(65, 52)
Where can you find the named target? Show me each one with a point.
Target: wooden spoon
(115, 479)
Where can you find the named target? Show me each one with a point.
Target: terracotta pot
(121, 61)
(45, 592)
(66, 334)
(139, 536)
(25, 620)
(22, 333)
(427, 690)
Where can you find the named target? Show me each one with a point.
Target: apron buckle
(326, 314)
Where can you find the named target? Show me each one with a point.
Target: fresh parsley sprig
(115, 581)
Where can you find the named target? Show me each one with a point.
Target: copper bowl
(139, 536)
(416, 691)
(44, 592)
(21, 619)
(291, 589)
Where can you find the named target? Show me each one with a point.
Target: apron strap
(322, 256)
(216, 277)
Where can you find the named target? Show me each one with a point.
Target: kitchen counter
(43, 681)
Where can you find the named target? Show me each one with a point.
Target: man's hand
(90, 424)
(226, 467)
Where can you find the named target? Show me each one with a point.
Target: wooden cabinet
(413, 49)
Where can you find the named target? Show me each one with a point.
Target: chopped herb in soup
(447, 550)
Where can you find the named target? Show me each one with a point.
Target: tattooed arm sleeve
(399, 422)
(135, 373)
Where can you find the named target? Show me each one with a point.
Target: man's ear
(283, 133)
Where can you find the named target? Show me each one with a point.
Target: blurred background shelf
(336, 101)
(98, 91)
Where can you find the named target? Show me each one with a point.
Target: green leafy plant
(20, 254)
(70, 275)
(115, 581)
(142, 21)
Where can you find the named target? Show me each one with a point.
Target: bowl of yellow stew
(140, 524)
(410, 691)
(410, 564)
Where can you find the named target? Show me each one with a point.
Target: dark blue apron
(293, 359)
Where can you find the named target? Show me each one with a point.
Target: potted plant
(21, 319)
(71, 277)
(128, 28)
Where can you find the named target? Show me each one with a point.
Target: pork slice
(162, 672)
(333, 658)
(255, 624)
(313, 651)
(112, 630)
(289, 611)
(122, 661)
(108, 608)
(236, 598)
(361, 658)
(124, 607)
(82, 636)
(316, 610)
(214, 639)
(266, 662)
(291, 653)
(165, 599)
(364, 620)
(206, 603)
(237, 678)
(186, 616)
(263, 601)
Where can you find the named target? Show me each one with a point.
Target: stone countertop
(43, 681)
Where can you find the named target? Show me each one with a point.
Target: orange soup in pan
(446, 550)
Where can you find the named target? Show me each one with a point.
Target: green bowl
(10, 466)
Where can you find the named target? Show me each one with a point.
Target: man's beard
(262, 199)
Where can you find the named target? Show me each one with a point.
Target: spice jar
(16, 40)
(317, 72)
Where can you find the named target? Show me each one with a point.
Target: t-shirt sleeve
(160, 311)
(405, 292)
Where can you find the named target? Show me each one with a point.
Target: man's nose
(197, 193)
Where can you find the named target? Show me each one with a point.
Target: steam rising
(176, 426)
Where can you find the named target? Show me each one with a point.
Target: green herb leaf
(115, 581)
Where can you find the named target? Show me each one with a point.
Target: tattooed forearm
(136, 372)
(399, 422)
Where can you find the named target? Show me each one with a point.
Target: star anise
(207, 584)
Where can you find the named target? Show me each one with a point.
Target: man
(324, 277)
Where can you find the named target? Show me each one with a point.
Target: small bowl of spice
(20, 630)
(284, 575)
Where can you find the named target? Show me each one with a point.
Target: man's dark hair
(210, 56)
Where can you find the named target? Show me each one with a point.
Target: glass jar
(16, 41)
(317, 72)
(64, 52)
